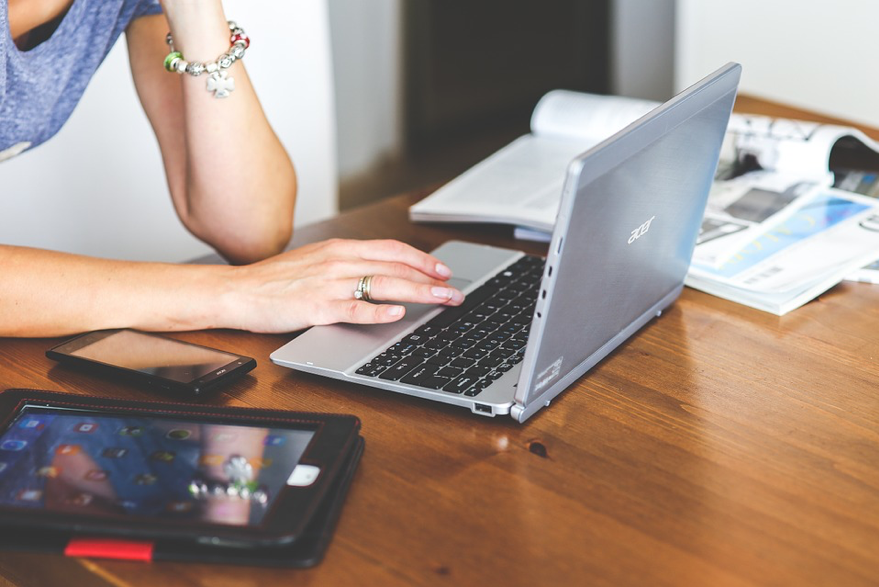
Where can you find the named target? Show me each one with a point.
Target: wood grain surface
(719, 446)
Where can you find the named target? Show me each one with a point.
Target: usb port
(482, 408)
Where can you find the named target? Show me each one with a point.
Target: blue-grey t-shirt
(40, 88)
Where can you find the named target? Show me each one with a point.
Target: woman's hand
(315, 284)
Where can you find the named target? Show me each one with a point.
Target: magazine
(803, 252)
(522, 183)
(770, 170)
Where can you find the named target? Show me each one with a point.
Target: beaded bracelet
(219, 81)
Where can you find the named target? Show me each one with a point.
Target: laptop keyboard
(465, 348)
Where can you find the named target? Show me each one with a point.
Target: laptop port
(482, 408)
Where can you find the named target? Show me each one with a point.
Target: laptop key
(491, 361)
(463, 362)
(477, 387)
(427, 330)
(488, 345)
(475, 353)
(371, 370)
(438, 360)
(435, 344)
(403, 348)
(465, 343)
(450, 372)
(491, 324)
(453, 313)
(460, 384)
(422, 352)
(386, 359)
(477, 371)
(502, 353)
(420, 373)
(400, 368)
(415, 338)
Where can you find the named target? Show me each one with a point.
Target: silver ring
(363, 289)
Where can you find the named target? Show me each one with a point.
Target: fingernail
(442, 292)
(395, 310)
(443, 270)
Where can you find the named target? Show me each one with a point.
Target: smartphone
(189, 473)
(159, 362)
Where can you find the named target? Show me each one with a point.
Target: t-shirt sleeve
(146, 8)
(4, 35)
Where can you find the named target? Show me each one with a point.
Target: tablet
(206, 475)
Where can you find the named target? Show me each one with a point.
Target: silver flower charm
(220, 84)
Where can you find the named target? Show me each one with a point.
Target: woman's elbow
(258, 244)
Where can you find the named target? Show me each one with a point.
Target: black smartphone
(157, 361)
(190, 473)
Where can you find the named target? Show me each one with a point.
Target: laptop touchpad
(459, 283)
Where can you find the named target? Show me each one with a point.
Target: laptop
(529, 327)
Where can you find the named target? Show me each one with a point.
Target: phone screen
(110, 464)
(155, 355)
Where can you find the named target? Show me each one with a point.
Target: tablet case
(305, 552)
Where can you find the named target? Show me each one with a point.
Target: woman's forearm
(45, 293)
(231, 180)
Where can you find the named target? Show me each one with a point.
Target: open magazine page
(795, 147)
(866, 274)
(826, 236)
(522, 183)
(865, 183)
(564, 114)
(806, 151)
(738, 209)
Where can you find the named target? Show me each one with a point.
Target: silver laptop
(629, 216)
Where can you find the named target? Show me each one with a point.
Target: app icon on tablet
(13, 445)
(68, 450)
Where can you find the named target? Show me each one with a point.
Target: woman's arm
(44, 293)
(231, 181)
(234, 186)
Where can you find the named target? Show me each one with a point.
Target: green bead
(170, 59)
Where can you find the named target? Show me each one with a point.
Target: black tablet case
(307, 551)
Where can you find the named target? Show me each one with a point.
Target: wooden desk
(720, 446)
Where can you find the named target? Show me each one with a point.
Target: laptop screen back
(627, 226)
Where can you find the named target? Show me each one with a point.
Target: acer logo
(641, 230)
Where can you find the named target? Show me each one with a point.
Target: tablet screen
(94, 463)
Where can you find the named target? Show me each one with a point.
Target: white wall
(642, 48)
(367, 55)
(98, 187)
(817, 54)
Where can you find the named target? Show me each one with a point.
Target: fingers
(391, 251)
(384, 287)
(355, 312)
(358, 268)
(318, 284)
